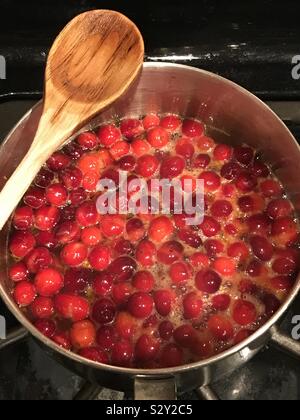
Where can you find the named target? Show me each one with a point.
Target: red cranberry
(208, 281)
(58, 161)
(185, 336)
(244, 155)
(94, 354)
(104, 311)
(38, 259)
(123, 268)
(83, 334)
(21, 243)
(140, 147)
(231, 171)
(172, 167)
(86, 214)
(180, 273)
(185, 148)
(143, 281)
(151, 120)
(125, 325)
(146, 253)
(245, 182)
(67, 214)
(62, 339)
(279, 208)
(147, 165)
(284, 266)
(18, 272)
(87, 140)
(67, 232)
(47, 327)
(121, 293)
(213, 247)
(127, 163)
(74, 254)
(170, 252)
(71, 178)
(35, 197)
(260, 170)
(135, 229)
(166, 329)
(131, 127)
(192, 306)
(212, 181)
(205, 143)
(192, 128)
(259, 224)
(91, 236)
(163, 301)
(77, 196)
(282, 283)
(221, 302)
(103, 284)
(23, 218)
(122, 354)
(120, 149)
(285, 231)
(254, 269)
(77, 280)
(223, 152)
(158, 137)
(246, 204)
(247, 286)
(75, 308)
(113, 176)
(231, 229)
(190, 238)
(170, 122)
(57, 195)
(210, 227)
(200, 260)
(107, 337)
(46, 218)
(73, 150)
(140, 305)
(24, 293)
(161, 229)
(46, 239)
(48, 282)
(124, 247)
(108, 135)
(171, 356)
(221, 209)
(42, 308)
(238, 250)
(262, 248)
(201, 161)
(244, 312)
(225, 266)
(146, 348)
(221, 328)
(112, 225)
(272, 304)
(271, 188)
(44, 178)
(100, 257)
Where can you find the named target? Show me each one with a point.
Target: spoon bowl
(91, 64)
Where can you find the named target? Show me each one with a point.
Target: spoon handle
(17, 185)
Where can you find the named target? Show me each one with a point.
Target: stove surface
(271, 375)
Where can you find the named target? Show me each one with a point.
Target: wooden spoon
(91, 64)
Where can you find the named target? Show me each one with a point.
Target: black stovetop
(252, 43)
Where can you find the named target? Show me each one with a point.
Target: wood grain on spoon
(91, 64)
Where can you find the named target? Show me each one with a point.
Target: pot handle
(285, 343)
(147, 389)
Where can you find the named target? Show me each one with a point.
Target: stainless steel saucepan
(235, 116)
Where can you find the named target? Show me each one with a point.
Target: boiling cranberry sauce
(151, 291)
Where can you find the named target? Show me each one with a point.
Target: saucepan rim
(163, 372)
